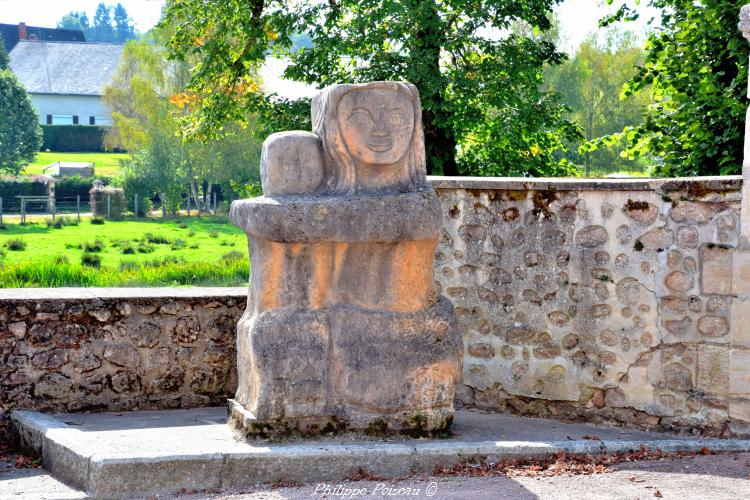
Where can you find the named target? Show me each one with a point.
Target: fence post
(163, 206)
(1, 210)
(78, 206)
(188, 205)
(109, 206)
(136, 205)
(23, 210)
(54, 208)
(214, 193)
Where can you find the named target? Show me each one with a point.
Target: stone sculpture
(344, 328)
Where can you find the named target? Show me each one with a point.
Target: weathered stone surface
(291, 163)
(345, 276)
(122, 355)
(713, 326)
(690, 213)
(716, 271)
(677, 281)
(591, 236)
(641, 211)
(657, 239)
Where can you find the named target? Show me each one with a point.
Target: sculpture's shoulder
(404, 216)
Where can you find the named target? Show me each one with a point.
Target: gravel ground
(700, 477)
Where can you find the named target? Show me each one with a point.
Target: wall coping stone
(715, 183)
(72, 293)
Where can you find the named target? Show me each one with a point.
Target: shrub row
(98, 199)
(76, 138)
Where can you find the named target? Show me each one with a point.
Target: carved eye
(396, 119)
(360, 117)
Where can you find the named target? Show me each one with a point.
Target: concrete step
(140, 453)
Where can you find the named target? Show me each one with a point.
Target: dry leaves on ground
(562, 463)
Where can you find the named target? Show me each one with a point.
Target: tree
(4, 59)
(483, 111)
(146, 99)
(110, 24)
(102, 29)
(124, 29)
(590, 84)
(696, 73)
(20, 134)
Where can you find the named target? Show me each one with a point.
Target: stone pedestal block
(344, 328)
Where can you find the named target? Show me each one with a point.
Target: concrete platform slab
(118, 455)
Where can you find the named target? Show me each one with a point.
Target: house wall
(59, 104)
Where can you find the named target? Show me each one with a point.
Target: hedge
(78, 138)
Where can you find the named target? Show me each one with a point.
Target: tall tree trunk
(194, 193)
(424, 72)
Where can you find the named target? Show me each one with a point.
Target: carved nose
(381, 126)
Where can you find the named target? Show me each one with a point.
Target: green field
(105, 164)
(140, 252)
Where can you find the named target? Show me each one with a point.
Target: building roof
(11, 33)
(68, 68)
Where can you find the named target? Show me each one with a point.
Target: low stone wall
(73, 350)
(620, 301)
(598, 300)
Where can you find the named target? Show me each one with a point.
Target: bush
(213, 234)
(61, 222)
(156, 239)
(16, 244)
(90, 259)
(61, 259)
(98, 196)
(234, 255)
(128, 248)
(75, 138)
(144, 247)
(70, 187)
(97, 220)
(178, 244)
(93, 246)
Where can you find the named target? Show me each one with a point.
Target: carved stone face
(376, 125)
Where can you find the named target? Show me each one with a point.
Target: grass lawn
(140, 252)
(107, 164)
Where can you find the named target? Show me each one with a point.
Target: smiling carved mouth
(380, 147)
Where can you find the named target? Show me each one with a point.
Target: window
(92, 120)
(62, 119)
(49, 119)
(75, 119)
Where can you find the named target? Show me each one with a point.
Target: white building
(65, 79)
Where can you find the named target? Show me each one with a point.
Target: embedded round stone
(291, 163)
(641, 211)
(679, 281)
(713, 326)
(591, 236)
(657, 239)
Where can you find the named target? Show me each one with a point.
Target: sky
(578, 18)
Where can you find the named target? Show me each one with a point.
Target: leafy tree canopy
(478, 79)
(590, 84)
(696, 67)
(4, 59)
(20, 134)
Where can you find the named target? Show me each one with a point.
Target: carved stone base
(347, 368)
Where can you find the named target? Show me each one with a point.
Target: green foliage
(483, 110)
(590, 84)
(4, 59)
(20, 136)
(15, 244)
(696, 68)
(77, 138)
(91, 259)
(97, 221)
(93, 246)
(107, 201)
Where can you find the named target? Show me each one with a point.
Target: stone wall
(598, 300)
(73, 350)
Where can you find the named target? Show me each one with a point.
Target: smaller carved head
(371, 136)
